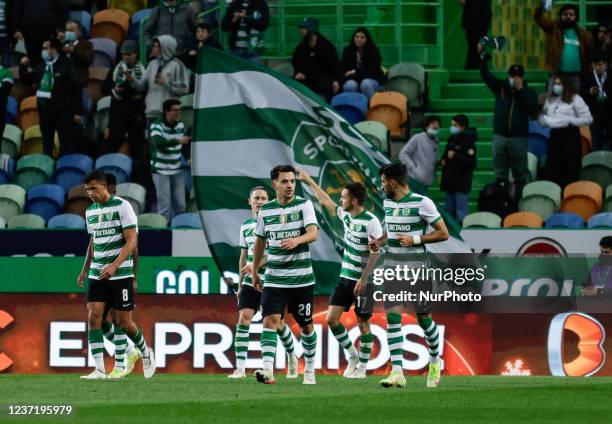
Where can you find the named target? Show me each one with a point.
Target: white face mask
(558, 89)
(511, 82)
(432, 132)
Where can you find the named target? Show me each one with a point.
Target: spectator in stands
(246, 21)
(567, 45)
(515, 103)
(58, 94)
(458, 164)
(4, 32)
(166, 76)
(420, 154)
(37, 20)
(597, 93)
(125, 84)
(476, 21)
(564, 112)
(315, 61)
(166, 137)
(599, 280)
(173, 18)
(362, 64)
(598, 35)
(6, 84)
(203, 38)
(81, 51)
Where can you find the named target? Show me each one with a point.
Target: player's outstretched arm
(86, 264)
(322, 196)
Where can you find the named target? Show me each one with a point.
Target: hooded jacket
(179, 22)
(457, 172)
(318, 61)
(420, 156)
(174, 73)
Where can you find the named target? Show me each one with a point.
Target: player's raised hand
(303, 176)
(257, 282)
(289, 243)
(405, 240)
(108, 272)
(81, 279)
(247, 269)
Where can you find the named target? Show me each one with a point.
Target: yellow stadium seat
(523, 219)
(583, 198)
(112, 24)
(28, 113)
(391, 109)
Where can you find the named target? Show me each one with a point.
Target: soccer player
(287, 225)
(360, 226)
(407, 217)
(249, 299)
(108, 266)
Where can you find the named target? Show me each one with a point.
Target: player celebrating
(288, 224)
(111, 222)
(249, 298)
(360, 226)
(407, 216)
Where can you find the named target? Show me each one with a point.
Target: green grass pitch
(213, 399)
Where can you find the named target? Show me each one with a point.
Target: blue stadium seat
(12, 108)
(603, 219)
(137, 17)
(67, 220)
(118, 164)
(85, 19)
(105, 53)
(7, 168)
(186, 220)
(70, 170)
(45, 200)
(538, 139)
(352, 106)
(564, 220)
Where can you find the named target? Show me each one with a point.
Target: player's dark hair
(462, 120)
(95, 176)
(168, 104)
(257, 188)
(606, 242)
(110, 179)
(357, 191)
(395, 171)
(282, 168)
(431, 119)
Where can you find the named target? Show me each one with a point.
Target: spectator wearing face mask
(597, 93)
(458, 163)
(80, 51)
(564, 112)
(420, 154)
(515, 102)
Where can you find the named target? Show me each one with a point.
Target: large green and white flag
(248, 119)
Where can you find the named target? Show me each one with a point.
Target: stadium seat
(538, 140)
(130, 6)
(105, 53)
(118, 164)
(78, 201)
(608, 204)
(67, 220)
(482, 220)
(12, 200)
(601, 220)
(26, 221)
(7, 168)
(187, 110)
(564, 220)
(583, 198)
(94, 87)
(408, 79)
(523, 219)
(33, 144)
(70, 170)
(135, 194)
(46, 201)
(186, 220)
(12, 109)
(285, 69)
(586, 140)
(597, 167)
(137, 17)
(541, 197)
(102, 115)
(85, 19)
(391, 109)
(11, 140)
(351, 106)
(28, 113)
(33, 170)
(152, 220)
(376, 132)
(112, 24)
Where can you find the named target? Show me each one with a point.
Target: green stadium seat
(376, 132)
(12, 200)
(187, 110)
(608, 202)
(11, 140)
(597, 167)
(33, 170)
(28, 221)
(483, 220)
(135, 194)
(541, 197)
(408, 79)
(152, 220)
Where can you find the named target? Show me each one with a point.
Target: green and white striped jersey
(409, 216)
(105, 223)
(247, 240)
(286, 268)
(165, 147)
(357, 233)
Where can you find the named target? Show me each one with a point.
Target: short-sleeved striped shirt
(105, 223)
(247, 240)
(357, 233)
(165, 147)
(286, 268)
(409, 216)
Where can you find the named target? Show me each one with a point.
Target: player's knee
(94, 318)
(332, 321)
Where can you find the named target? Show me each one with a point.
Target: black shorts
(119, 294)
(297, 300)
(420, 305)
(249, 298)
(343, 296)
